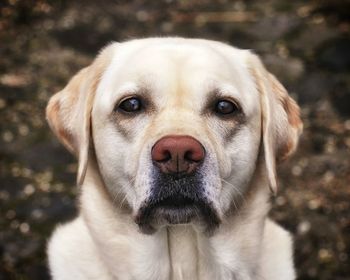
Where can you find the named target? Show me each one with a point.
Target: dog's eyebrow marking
(128, 88)
(133, 89)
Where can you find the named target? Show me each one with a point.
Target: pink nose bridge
(178, 154)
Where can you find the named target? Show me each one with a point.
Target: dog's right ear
(281, 123)
(69, 111)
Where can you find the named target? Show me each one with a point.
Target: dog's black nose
(178, 154)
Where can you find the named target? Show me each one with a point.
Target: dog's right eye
(130, 105)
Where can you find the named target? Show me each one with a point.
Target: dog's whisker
(238, 213)
(234, 188)
(123, 201)
(116, 195)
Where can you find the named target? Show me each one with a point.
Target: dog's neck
(177, 252)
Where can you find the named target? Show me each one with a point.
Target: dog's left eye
(225, 107)
(131, 105)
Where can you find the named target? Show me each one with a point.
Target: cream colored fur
(179, 75)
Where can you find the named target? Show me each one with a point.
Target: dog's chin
(177, 210)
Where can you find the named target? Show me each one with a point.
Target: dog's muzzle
(177, 195)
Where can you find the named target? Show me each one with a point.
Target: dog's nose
(178, 154)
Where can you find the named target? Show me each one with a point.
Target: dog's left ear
(281, 123)
(69, 111)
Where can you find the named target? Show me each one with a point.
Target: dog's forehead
(163, 56)
(169, 63)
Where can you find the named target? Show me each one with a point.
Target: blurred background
(306, 44)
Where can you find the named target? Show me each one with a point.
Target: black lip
(177, 215)
(176, 210)
(176, 199)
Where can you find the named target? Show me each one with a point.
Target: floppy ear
(281, 123)
(69, 111)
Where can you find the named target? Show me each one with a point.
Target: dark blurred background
(306, 44)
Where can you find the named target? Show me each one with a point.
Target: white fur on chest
(102, 244)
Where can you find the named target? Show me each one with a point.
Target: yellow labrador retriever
(177, 141)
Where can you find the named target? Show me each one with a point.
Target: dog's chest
(183, 253)
(192, 257)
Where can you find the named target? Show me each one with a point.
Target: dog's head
(176, 126)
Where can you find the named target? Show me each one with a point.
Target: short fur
(179, 78)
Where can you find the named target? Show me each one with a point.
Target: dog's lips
(175, 202)
(176, 199)
(176, 209)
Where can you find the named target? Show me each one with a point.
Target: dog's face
(177, 127)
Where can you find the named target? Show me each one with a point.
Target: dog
(177, 142)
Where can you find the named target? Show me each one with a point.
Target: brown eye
(225, 107)
(131, 105)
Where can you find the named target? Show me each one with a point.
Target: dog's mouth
(175, 210)
(176, 200)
